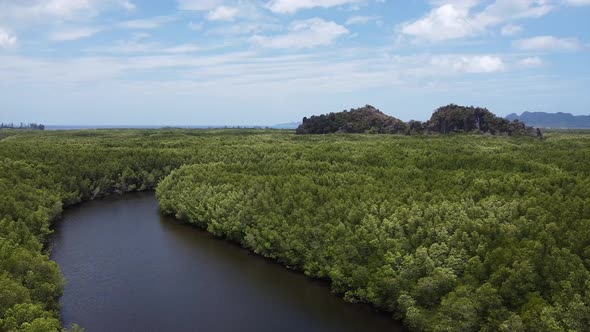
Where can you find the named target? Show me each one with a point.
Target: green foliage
(29, 317)
(445, 120)
(454, 118)
(468, 233)
(41, 172)
(366, 119)
(74, 328)
(461, 233)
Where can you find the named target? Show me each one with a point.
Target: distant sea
(79, 127)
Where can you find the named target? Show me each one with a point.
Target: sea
(82, 127)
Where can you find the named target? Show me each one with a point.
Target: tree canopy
(359, 120)
(445, 120)
(448, 233)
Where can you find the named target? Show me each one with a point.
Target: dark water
(130, 269)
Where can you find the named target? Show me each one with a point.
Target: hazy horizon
(56, 126)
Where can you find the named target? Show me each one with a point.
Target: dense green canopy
(449, 233)
(462, 233)
(359, 120)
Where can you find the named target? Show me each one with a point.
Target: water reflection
(130, 269)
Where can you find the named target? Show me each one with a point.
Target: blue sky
(238, 62)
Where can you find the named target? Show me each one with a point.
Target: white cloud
(139, 46)
(534, 61)
(465, 4)
(510, 30)
(147, 23)
(64, 8)
(7, 40)
(292, 6)
(470, 64)
(133, 46)
(73, 34)
(547, 43)
(223, 13)
(359, 19)
(578, 2)
(244, 28)
(459, 19)
(184, 48)
(245, 73)
(21, 11)
(445, 22)
(304, 34)
(503, 10)
(128, 5)
(198, 5)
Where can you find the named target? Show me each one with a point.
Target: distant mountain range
(552, 120)
(290, 125)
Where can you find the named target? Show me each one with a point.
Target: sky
(264, 62)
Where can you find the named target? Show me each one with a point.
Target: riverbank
(123, 260)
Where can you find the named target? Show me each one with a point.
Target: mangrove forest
(462, 232)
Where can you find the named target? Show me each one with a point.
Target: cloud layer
(7, 40)
(459, 19)
(546, 43)
(292, 6)
(304, 34)
(363, 51)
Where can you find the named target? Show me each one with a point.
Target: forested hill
(359, 120)
(552, 120)
(447, 119)
(454, 118)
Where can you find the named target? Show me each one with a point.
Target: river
(130, 269)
